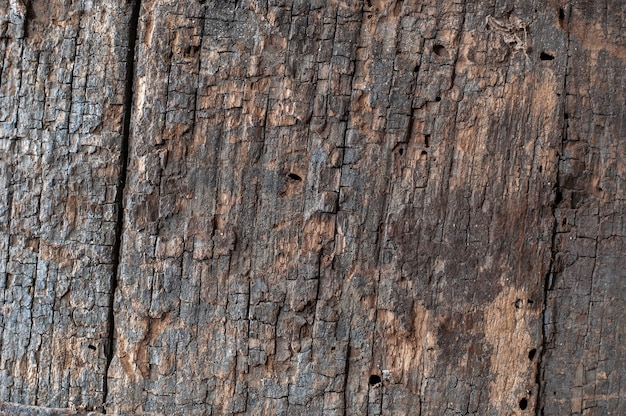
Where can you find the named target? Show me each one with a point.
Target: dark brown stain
(576, 21)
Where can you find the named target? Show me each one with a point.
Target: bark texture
(313, 207)
(62, 83)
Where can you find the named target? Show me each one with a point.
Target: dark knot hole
(374, 379)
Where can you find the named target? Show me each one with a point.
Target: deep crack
(117, 247)
(549, 278)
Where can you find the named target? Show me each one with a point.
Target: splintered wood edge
(13, 409)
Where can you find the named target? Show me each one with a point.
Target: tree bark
(62, 83)
(313, 207)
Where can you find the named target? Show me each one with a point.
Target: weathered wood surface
(10, 409)
(585, 359)
(62, 83)
(370, 207)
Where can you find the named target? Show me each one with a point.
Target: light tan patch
(318, 230)
(404, 350)
(508, 333)
(126, 358)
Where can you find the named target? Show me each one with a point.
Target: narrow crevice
(117, 246)
(550, 275)
(547, 285)
(343, 146)
(7, 254)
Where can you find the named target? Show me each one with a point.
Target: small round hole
(401, 151)
(437, 99)
(559, 197)
(545, 56)
(532, 353)
(294, 176)
(374, 379)
(523, 404)
(91, 347)
(440, 50)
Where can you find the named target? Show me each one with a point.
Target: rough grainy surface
(11, 409)
(62, 80)
(330, 207)
(585, 359)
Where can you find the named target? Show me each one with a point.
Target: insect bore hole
(523, 404)
(441, 51)
(374, 379)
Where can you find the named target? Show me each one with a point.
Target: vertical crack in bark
(549, 278)
(9, 205)
(119, 197)
(347, 117)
